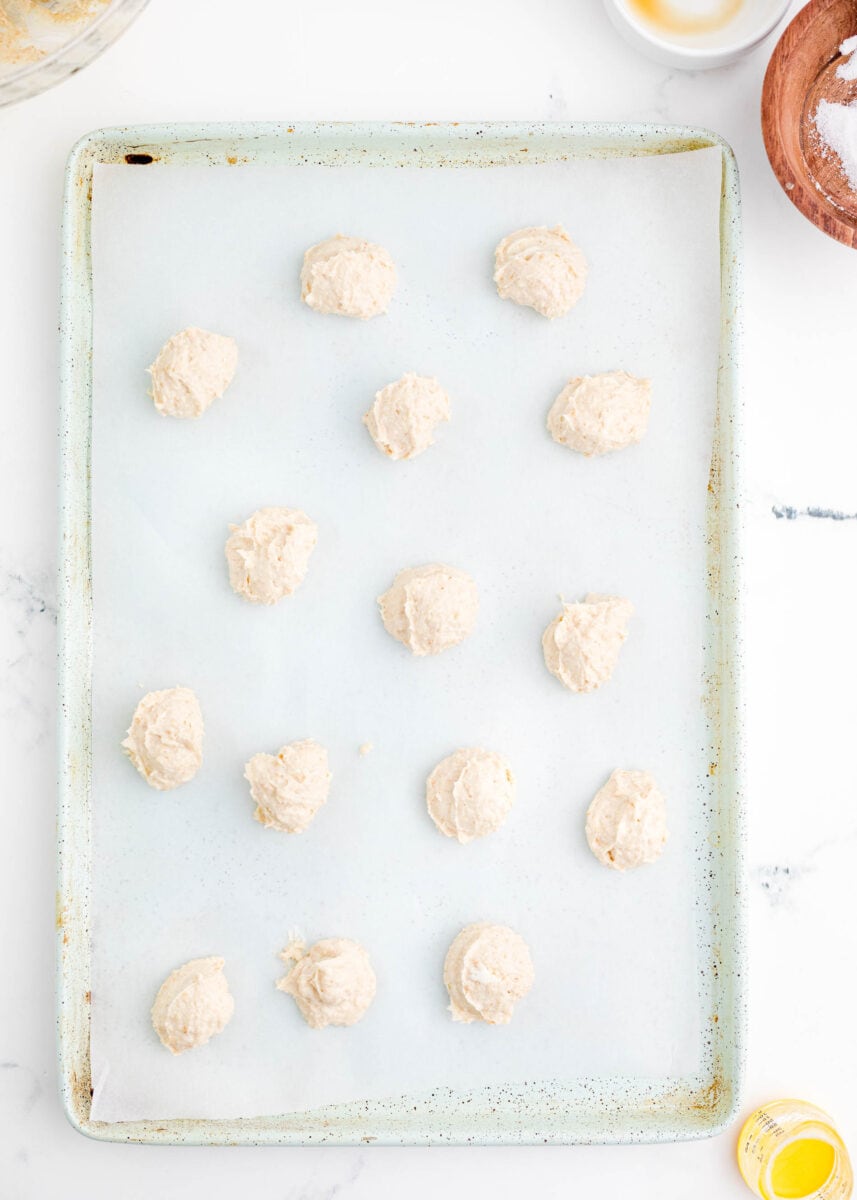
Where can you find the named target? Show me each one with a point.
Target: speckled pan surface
(603, 1109)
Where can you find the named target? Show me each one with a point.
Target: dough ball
(165, 739)
(626, 824)
(581, 646)
(193, 368)
(470, 793)
(290, 787)
(403, 418)
(488, 969)
(192, 1005)
(268, 555)
(430, 608)
(333, 982)
(595, 414)
(348, 277)
(541, 268)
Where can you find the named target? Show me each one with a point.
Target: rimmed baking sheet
(633, 1030)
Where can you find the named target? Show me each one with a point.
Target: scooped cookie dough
(626, 823)
(595, 414)
(488, 969)
(193, 368)
(581, 646)
(404, 416)
(165, 739)
(290, 787)
(541, 268)
(333, 982)
(348, 277)
(192, 1005)
(430, 608)
(269, 553)
(470, 793)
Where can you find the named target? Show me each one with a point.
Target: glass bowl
(53, 44)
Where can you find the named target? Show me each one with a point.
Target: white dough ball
(268, 554)
(626, 823)
(488, 969)
(165, 739)
(193, 368)
(348, 277)
(192, 1005)
(404, 415)
(541, 268)
(595, 414)
(290, 787)
(470, 793)
(332, 983)
(581, 646)
(430, 608)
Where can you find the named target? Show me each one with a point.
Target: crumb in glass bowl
(42, 42)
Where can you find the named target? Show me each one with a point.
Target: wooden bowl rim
(807, 198)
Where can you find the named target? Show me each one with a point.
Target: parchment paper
(189, 873)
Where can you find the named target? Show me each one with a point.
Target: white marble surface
(529, 59)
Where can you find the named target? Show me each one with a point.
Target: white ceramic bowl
(750, 25)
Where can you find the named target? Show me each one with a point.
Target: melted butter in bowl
(671, 16)
(696, 34)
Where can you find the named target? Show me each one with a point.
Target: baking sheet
(186, 874)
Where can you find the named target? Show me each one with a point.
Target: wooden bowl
(802, 71)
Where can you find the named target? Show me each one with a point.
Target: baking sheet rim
(624, 1112)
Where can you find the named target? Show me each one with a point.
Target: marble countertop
(511, 59)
